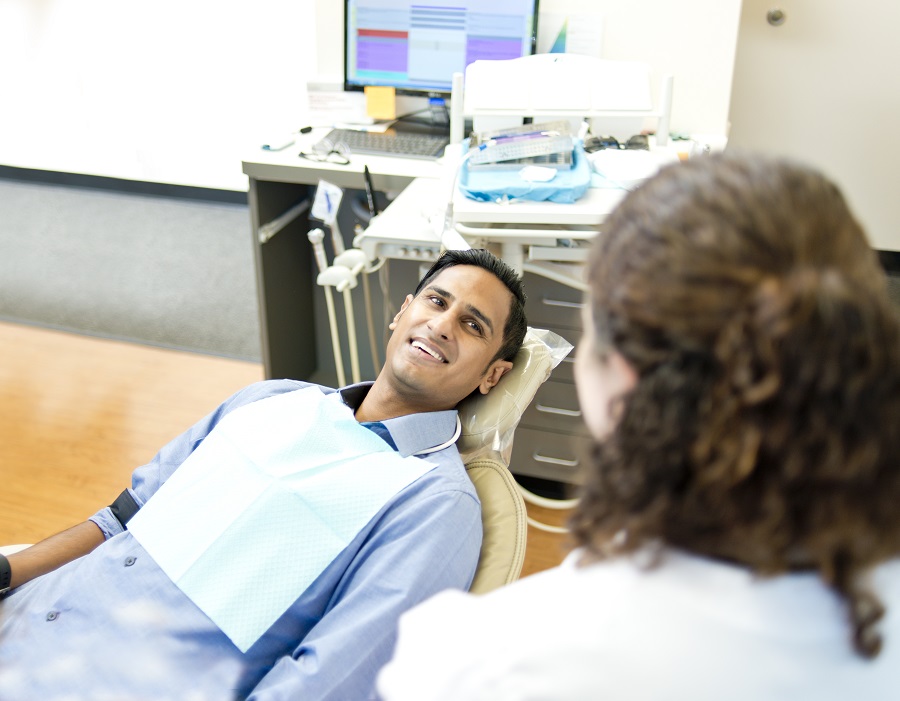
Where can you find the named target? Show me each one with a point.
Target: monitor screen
(417, 47)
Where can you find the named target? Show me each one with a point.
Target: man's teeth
(422, 346)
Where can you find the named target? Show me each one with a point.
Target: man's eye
(475, 326)
(437, 300)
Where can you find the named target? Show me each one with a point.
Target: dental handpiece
(317, 238)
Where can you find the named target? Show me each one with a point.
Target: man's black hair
(516, 323)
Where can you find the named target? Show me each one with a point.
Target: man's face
(445, 337)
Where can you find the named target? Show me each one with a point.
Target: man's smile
(428, 350)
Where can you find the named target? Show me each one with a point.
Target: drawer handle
(554, 461)
(562, 303)
(574, 413)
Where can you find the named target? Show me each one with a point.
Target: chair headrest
(488, 420)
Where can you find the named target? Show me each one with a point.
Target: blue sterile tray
(492, 185)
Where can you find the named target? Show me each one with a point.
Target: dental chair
(485, 442)
(488, 422)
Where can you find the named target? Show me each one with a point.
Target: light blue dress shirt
(112, 624)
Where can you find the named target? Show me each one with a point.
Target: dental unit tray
(518, 143)
(560, 161)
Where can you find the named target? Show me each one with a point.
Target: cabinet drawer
(565, 371)
(552, 304)
(548, 455)
(555, 407)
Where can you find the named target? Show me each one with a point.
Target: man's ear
(393, 324)
(497, 370)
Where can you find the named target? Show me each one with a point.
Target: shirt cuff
(107, 523)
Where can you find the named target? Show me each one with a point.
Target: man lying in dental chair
(267, 552)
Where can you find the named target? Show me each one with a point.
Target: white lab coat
(690, 629)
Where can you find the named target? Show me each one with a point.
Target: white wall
(177, 91)
(167, 91)
(820, 88)
(694, 40)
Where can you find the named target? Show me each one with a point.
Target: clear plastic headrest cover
(489, 420)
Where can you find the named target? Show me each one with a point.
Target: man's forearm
(54, 552)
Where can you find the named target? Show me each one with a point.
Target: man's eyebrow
(475, 311)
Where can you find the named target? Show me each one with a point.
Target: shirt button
(129, 561)
(52, 616)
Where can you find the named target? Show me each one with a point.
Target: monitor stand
(420, 125)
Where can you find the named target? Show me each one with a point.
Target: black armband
(124, 507)
(5, 574)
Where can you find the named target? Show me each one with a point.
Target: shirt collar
(412, 433)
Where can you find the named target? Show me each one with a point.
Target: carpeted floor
(159, 270)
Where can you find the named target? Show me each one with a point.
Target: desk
(389, 174)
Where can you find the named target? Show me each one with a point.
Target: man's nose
(442, 325)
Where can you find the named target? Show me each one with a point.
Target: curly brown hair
(763, 428)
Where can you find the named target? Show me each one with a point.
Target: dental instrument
(355, 261)
(317, 238)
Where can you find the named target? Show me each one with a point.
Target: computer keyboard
(390, 143)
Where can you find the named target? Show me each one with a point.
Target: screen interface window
(418, 47)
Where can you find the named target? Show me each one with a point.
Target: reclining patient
(739, 523)
(268, 551)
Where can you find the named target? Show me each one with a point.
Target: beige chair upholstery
(488, 422)
(504, 522)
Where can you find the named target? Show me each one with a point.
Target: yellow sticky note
(381, 102)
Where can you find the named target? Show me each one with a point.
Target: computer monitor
(416, 47)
